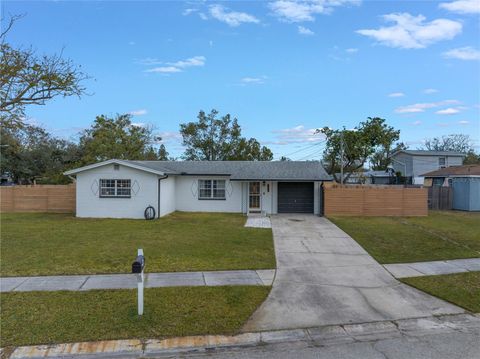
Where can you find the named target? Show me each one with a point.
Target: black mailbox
(138, 265)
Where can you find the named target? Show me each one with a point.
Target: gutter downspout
(158, 205)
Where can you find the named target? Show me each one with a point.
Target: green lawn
(58, 317)
(49, 244)
(462, 289)
(441, 235)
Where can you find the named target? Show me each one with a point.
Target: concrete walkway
(258, 221)
(129, 281)
(419, 269)
(324, 277)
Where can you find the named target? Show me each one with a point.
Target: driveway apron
(325, 277)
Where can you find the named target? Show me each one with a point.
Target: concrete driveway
(325, 277)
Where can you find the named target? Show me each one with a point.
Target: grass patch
(53, 244)
(462, 289)
(57, 317)
(441, 235)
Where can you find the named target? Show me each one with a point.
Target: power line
(304, 148)
(310, 155)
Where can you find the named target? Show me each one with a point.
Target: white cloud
(173, 67)
(417, 123)
(193, 61)
(140, 112)
(189, 11)
(298, 134)
(300, 11)
(421, 107)
(305, 31)
(430, 91)
(232, 18)
(351, 50)
(165, 69)
(463, 53)
(463, 122)
(448, 111)
(412, 32)
(253, 80)
(462, 6)
(396, 94)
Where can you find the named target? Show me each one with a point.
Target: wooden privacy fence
(374, 201)
(440, 198)
(39, 198)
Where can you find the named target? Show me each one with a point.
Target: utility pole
(341, 156)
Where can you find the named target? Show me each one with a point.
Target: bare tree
(29, 79)
(455, 142)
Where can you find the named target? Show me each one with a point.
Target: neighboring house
(370, 177)
(123, 189)
(414, 163)
(465, 183)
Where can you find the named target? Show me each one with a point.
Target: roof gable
(130, 164)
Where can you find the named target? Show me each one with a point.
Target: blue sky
(283, 68)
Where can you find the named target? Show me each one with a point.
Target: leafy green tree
(472, 158)
(219, 139)
(29, 79)
(381, 159)
(162, 153)
(118, 138)
(30, 154)
(358, 145)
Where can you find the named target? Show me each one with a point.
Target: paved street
(325, 277)
(434, 346)
(448, 336)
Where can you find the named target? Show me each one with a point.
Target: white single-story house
(124, 189)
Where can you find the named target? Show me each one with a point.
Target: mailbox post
(137, 268)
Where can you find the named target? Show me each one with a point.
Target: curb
(325, 335)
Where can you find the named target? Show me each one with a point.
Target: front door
(254, 197)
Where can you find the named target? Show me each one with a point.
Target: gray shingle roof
(430, 153)
(243, 170)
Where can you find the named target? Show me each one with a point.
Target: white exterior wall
(316, 197)
(186, 195)
(167, 195)
(403, 163)
(425, 164)
(89, 203)
(275, 197)
(176, 193)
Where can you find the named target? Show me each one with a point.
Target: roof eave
(112, 161)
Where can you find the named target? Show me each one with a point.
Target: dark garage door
(295, 197)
